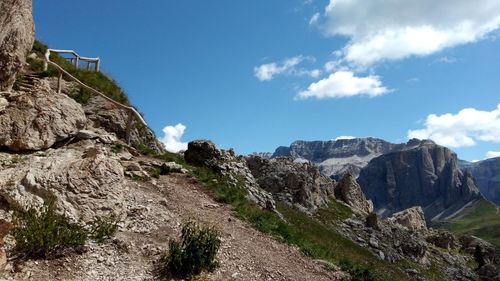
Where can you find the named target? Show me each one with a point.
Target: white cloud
(343, 84)
(172, 138)
(344, 138)
(314, 19)
(465, 128)
(413, 80)
(390, 30)
(492, 154)
(267, 72)
(448, 60)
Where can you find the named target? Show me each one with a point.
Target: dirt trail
(155, 212)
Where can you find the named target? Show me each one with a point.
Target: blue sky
(254, 75)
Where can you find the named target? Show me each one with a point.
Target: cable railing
(80, 83)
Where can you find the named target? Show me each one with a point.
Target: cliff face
(335, 158)
(16, 38)
(487, 174)
(427, 176)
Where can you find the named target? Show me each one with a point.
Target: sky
(255, 75)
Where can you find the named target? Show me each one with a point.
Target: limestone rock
(106, 115)
(84, 183)
(299, 184)
(427, 176)
(349, 191)
(202, 153)
(412, 218)
(337, 157)
(443, 239)
(471, 244)
(486, 173)
(39, 119)
(17, 33)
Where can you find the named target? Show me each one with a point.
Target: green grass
(315, 236)
(482, 220)
(96, 80)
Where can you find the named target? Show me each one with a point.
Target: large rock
(412, 218)
(38, 119)
(17, 32)
(299, 184)
(427, 176)
(476, 246)
(202, 153)
(349, 191)
(106, 115)
(83, 178)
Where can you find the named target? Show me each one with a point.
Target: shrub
(196, 252)
(104, 228)
(39, 233)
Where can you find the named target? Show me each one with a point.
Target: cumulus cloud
(344, 138)
(172, 138)
(492, 154)
(314, 19)
(267, 72)
(380, 30)
(462, 129)
(343, 84)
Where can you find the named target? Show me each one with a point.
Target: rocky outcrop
(426, 176)
(487, 175)
(106, 115)
(297, 184)
(82, 178)
(38, 119)
(349, 191)
(337, 157)
(413, 218)
(17, 32)
(204, 153)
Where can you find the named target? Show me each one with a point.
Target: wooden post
(97, 64)
(59, 82)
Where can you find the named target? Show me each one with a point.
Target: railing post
(77, 62)
(97, 65)
(59, 82)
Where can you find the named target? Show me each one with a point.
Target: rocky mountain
(427, 176)
(487, 175)
(337, 157)
(275, 219)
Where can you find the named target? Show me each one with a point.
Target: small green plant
(195, 253)
(154, 172)
(104, 228)
(40, 233)
(116, 148)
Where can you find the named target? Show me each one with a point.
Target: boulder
(298, 184)
(38, 119)
(442, 239)
(106, 115)
(349, 191)
(478, 248)
(202, 153)
(412, 218)
(17, 32)
(171, 167)
(84, 180)
(372, 220)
